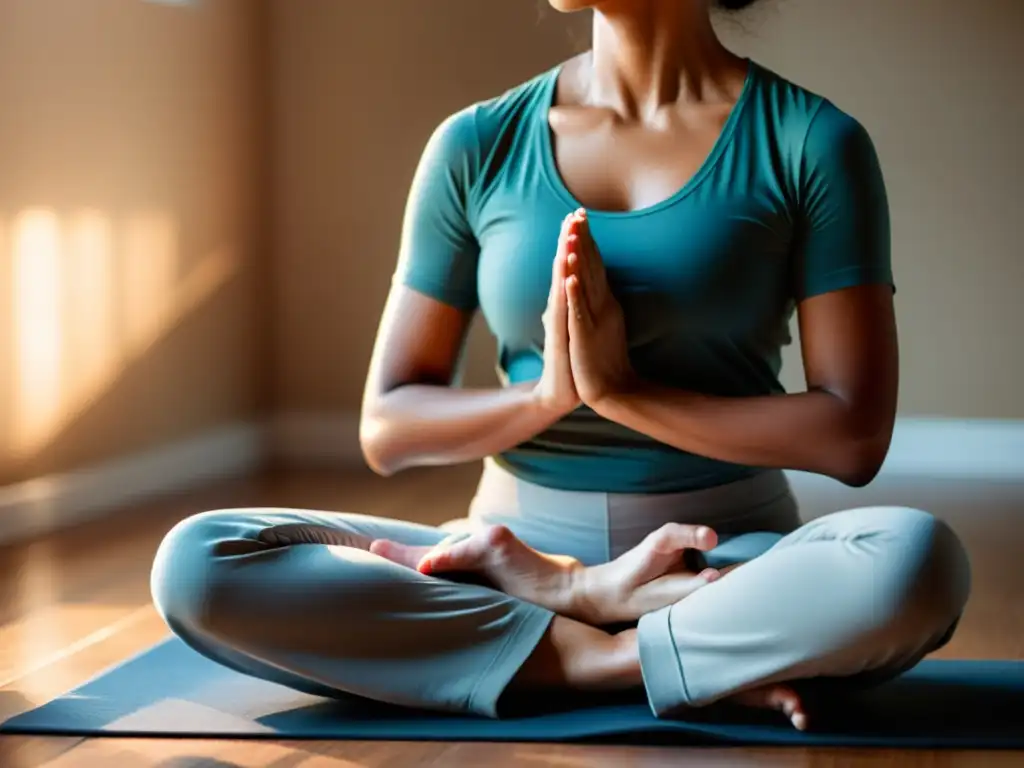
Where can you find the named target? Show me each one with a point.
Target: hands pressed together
(585, 360)
(586, 356)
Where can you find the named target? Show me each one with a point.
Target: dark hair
(734, 5)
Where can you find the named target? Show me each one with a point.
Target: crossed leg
(297, 598)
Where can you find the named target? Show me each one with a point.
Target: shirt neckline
(554, 177)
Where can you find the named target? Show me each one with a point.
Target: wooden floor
(77, 602)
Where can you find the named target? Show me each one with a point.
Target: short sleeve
(439, 252)
(844, 238)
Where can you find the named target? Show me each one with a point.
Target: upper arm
(420, 341)
(842, 272)
(434, 289)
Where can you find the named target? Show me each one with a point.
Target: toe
(398, 553)
(788, 702)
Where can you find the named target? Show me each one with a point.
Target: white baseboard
(921, 447)
(48, 503)
(970, 449)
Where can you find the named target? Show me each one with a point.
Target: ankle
(603, 662)
(582, 658)
(623, 658)
(584, 601)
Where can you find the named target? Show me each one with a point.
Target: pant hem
(660, 665)
(532, 622)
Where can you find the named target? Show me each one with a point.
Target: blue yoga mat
(170, 690)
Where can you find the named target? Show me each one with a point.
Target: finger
(559, 268)
(596, 280)
(559, 306)
(573, 254)
(558, 265)
(575, 267)
(579, 312)
(403, 554)
(576, 246)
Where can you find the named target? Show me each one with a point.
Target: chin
(571, 6)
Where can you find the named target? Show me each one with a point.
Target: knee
(180, 579)
(931, 569)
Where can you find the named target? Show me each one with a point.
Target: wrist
(547, 409)
(626, 386)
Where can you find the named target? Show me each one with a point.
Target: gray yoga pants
(294, 596)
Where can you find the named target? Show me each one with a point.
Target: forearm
(420, 425)
(814, 431)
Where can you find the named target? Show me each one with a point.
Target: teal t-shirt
(790, 203)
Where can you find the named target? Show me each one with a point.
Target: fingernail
(710, 575)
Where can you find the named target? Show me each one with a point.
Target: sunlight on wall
(6, 337)
(88, 297)
(37, 325)
(149, 265)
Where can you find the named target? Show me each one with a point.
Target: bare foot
(779, 697)
(648, 577)
(495, 553)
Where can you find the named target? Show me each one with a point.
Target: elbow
(373, 446)
(858, 475)
(859, 460)
(861, 435)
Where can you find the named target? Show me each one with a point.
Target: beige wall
(130, 194)
(359, 85)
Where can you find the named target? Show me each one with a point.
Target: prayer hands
(556, 390)
(598, 348)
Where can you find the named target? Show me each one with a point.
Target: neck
(651, 53)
